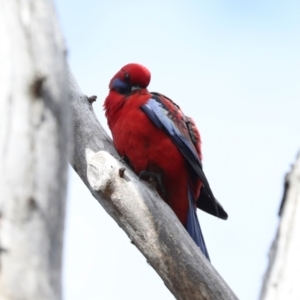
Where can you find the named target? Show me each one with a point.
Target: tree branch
(282, 276)
(147, 220)
(34, 131)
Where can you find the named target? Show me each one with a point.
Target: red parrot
(151, 132)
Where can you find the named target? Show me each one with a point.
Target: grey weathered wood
(282, 276)
(148, 221)
(34, 122)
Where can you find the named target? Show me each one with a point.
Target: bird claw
(154, 177)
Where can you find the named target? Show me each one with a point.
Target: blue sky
(234, 67)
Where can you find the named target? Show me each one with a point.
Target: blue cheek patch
(121, 86)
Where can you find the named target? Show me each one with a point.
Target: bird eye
(126, 76)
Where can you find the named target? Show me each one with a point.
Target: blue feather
(160, 117)
(193, 226)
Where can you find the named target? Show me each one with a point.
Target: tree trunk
(34, 130)
(282, 277)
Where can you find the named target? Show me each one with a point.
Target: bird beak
(135, 88)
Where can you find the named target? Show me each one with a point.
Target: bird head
(130, 78)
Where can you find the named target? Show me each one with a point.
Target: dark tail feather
(193, 226)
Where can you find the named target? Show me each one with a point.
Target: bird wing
(167, 115)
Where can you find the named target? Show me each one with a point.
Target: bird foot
(156, 178)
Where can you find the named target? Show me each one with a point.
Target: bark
(147, 220)
(34, 122)
(282, 276)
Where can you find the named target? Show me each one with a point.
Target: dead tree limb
(147, 220)
(282, 277)
(34, 131)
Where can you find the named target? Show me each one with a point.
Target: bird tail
(193, 225)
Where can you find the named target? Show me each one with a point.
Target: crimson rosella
(151, 132)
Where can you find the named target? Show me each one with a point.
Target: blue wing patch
(160, 117)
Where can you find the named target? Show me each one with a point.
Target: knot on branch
(37, 86)
(92, 99)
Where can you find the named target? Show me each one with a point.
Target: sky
(234, 67)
